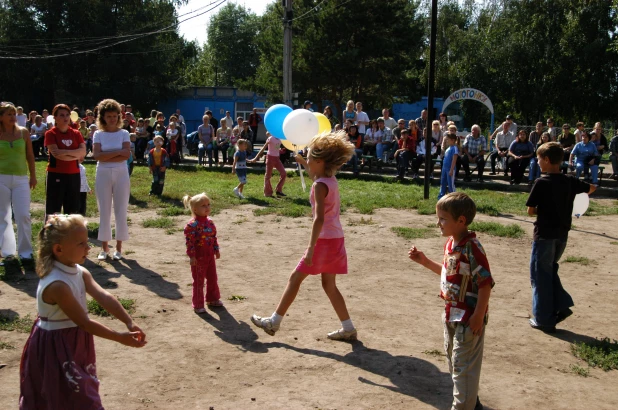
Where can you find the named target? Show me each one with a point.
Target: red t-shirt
(68, 140)
(410, 144)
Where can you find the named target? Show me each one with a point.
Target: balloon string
(300, 171)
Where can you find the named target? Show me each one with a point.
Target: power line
(133, 37)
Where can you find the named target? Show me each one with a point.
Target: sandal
(216, 303)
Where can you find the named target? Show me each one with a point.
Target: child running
(158, 161)
(447, 176)
(239, 167)
(466, 284)
(273, 160)
(202, 249)
(325, 253)
(58, 366)
(551, 200)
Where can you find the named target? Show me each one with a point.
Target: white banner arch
(468, 94)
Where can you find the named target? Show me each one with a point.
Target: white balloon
(300, 126)
(580, 204)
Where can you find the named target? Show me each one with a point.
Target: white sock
(276, 318)
(347, 325)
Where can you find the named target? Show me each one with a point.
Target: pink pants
(204, 270)
(273, 162)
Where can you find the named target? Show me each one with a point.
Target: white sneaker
(241, 196)
(102, 256)
(343, 335)
(265, 323)
(117, 256)
(237, 193)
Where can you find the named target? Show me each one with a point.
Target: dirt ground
(219, 360)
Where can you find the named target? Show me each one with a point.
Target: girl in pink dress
(325, 254)
(58, 365)
(273, 160)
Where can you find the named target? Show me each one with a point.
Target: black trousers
(518, 167)
(62, 193)
(495, 155)
(480, 164)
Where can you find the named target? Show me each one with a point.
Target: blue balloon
(273, 119)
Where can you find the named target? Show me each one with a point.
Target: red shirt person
(254, 121)
(66, 148)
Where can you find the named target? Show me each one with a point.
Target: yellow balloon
(291, 146)
(323, 123)
(74, 116)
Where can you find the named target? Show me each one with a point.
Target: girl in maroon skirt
(58, 364)
(325, 254)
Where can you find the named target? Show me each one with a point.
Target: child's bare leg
(290, 292)
(105, 246)
(119, 246)
(336, 298)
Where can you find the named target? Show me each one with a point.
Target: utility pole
(430, 92)
(287, 52)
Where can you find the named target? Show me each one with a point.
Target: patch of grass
(361, 221)
(16, 323)
(96, 309)
(170, 231)
(173, 211)
(6, 346)
(580, 371)
(582, 260)
(497, 229)
(241, 219)
(488, 209)
(434, 352)
(93, 229)
(259, 232)
(163, 222)
(129, 252)
(412, 233)
(237, 298)
(613, 243)
(602, 353)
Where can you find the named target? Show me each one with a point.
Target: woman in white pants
(16, 161)
(111, 148)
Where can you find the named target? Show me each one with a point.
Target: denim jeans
(206, 149)
(548, 295)
(535, 169)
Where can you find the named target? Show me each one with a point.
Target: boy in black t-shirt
(551, 199)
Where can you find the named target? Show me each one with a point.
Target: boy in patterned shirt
(466, 284)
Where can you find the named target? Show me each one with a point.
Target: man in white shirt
(21, 117)
(503, 142)
(389, 122)
(228, 119)
(181, 118)
(512, 126)
(362, 119)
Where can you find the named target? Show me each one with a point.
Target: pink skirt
(58, 371)
(329, 256)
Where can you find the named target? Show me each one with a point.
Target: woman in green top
(16, 162)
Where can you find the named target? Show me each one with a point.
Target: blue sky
(195, 29)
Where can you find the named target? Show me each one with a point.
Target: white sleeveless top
(51, 317)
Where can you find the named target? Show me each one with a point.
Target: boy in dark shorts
(465, 286)
(551, 200)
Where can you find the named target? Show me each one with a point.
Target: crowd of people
(63, 333)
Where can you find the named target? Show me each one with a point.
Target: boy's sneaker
(542, 328)
(279, 193)
(102, 256)
(343, 335)
(265, 323)
(117, 256)
(237, 193)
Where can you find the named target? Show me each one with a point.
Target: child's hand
(192, 261)
(450, 173)
(217, 254)
(476, 322)
(135, 328)
(132, 339)
(417, 256)
(298, 157)
(162, 169)
(150, 169)
(233, 171)
(309, 257)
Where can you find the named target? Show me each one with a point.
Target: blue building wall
(194, 101)
(411, 111)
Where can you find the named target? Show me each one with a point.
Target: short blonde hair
(157, 138)
(458, 204)
(242, 141)
(55, 230)
(334, 148)
(191, 202)
(108, 105)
